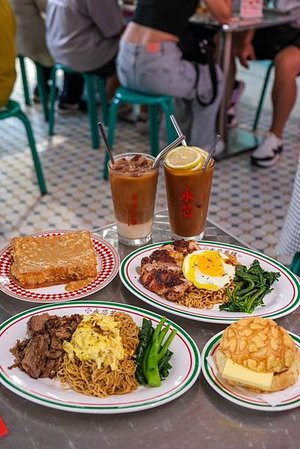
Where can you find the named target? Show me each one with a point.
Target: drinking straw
(177, 129)
(172, 145)
(211, 151)
(108, 149)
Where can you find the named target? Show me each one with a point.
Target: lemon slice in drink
(185, 158)
(202, 160)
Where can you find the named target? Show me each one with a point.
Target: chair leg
(154, 129)
(113, 112)
(92, 109)
(168, 110)
(262, 97)
(52, 102)
(24, 80)
(41, 84)
(103, 97)
(35, 156)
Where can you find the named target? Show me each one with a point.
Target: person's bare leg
(284, 93)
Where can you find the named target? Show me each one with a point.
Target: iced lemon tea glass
(188, 187)
(133, 184)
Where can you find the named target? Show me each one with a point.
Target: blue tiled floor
(249, 202)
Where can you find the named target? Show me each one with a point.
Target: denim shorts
(158, 68)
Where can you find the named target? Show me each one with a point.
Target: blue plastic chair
(124, 95)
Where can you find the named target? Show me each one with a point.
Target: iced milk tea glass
(133, 184)
(188, 193)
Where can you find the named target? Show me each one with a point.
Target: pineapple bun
(262, 346)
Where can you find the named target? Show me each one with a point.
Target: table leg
(225, 58)
(237, 140)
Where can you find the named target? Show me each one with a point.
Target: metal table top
(237, 23)
(270, 18)
(198, 419)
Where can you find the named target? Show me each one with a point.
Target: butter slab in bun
(258, 354)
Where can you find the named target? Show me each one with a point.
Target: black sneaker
(69, 109)
(36, 97)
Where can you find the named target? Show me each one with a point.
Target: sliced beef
(36, 323)
(35, 355)
(41, 354)
(49, 369)
(18, 351)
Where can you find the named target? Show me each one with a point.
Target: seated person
(282, 45)
(83, 35)
(7, 51)
(151, 61)
(31, 35)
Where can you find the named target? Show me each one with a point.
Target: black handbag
(197, 46)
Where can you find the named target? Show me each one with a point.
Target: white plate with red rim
(108, 262)
(186, 365)
(281, 301)
(290, 398)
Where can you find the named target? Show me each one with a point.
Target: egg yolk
(210, 263)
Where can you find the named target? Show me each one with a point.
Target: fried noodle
(201, 298)
(85, 377)
(204, 299)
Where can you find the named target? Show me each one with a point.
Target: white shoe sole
(265, 164)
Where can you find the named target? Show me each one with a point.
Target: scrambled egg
(97, 338)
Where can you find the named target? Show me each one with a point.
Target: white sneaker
(268, 153)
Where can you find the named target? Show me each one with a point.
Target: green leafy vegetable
(153, 354)
(252, 284)
(145, 336)
(164, 366)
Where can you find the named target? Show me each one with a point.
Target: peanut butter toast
(56, 259)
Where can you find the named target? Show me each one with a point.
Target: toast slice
(56, 259)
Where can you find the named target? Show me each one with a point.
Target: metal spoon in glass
(172, 145)
(108, 149)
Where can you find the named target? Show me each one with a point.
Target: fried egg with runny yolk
(208, 269)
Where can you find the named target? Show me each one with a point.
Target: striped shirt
(289, 242)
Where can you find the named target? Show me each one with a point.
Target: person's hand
(245, 53)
